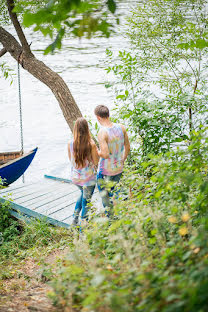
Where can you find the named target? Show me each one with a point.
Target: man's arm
(126, 143)
(103, 144)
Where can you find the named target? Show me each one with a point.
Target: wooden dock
(53, 199)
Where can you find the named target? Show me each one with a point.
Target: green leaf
(192, 44)
(111, 5)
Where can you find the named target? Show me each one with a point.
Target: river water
(82, 65)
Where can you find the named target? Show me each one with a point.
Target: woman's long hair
(82, 143)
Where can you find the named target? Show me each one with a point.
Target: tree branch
(10, 44)
(170, 64)
(2, 52)
(44, 74)
(18, 28)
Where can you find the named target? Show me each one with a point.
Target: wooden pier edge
(21, 212)
(57, 178)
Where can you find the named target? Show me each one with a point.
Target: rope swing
(20, 114)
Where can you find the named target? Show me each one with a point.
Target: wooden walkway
(53, 200)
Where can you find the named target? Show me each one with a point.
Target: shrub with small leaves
(154, 255)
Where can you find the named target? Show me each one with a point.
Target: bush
(9, 227)
(154, 257)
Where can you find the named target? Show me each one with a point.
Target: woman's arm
(95, 156)
(69, 151)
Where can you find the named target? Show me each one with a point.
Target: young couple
(84, 156)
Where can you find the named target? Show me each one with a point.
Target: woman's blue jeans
(83, 201)
(107, 192)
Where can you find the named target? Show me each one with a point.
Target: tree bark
(43, 73)
(2, 52)
(18, 28)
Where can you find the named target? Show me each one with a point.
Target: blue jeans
(83, 201)
(107, 192)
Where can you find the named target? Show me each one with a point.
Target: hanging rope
(20, 114)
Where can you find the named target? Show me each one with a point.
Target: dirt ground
(28, 291)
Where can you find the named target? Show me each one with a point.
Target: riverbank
(153, 256)
(28, 257)
(24, 287)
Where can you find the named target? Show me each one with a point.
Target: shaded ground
(27, 289)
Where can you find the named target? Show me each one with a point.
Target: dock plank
(25, 189)
(56, 202)
(63, 213)
(57, 209)
(68, 220)
(10, 188)
(33, 192)
(48, 201)
(53, 199)
(39, 194)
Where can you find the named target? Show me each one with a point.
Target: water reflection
(81, 64)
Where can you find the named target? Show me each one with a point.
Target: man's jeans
(83, 201)
(107, 191)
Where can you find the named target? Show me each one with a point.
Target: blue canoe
(14, 165)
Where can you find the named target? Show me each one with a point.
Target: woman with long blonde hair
(84, 157)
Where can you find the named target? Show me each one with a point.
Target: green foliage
(8, 226)
(17, 238)
(161, 84)
(154, 257)
(4, 16)
(20, 241)
(6, 71)
(75, 17)
(1, 183)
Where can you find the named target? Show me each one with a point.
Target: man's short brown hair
(102, 111)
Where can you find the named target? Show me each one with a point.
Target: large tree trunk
(43, 73)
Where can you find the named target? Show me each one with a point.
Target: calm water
(81, 64)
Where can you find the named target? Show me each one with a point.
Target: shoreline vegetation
(153, 256)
